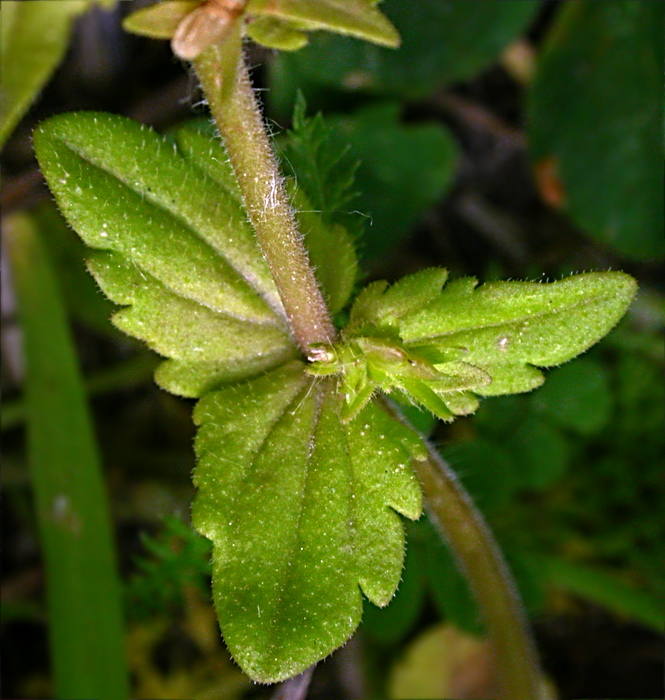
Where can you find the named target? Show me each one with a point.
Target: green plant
(242, 310)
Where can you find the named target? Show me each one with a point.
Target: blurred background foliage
(520, 139)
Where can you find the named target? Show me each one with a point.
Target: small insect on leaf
(205, 26)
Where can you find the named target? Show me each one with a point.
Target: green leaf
(35, 36)
(382, 308)
(183, 259)
(510, 328)
(597, 116)
(274, 33)
(440, 347)
(200, 143)
(83, 592)
(577, 397)
(159, 21)
(436, 49)
(297, 506)
(540, 451)
(605, 588)
(388, 626)
(357, 18)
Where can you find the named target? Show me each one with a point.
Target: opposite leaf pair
(298, 476)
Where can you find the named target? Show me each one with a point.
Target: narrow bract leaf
(322, 166)
(300, 508)
(358, 18)
(159, 21)
(177, 249)
(278, 33)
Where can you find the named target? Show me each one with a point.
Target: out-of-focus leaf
(296, 505)
(597, 114)
(404, 169)
(277, 33)
(602, 587)
(443, 662)
(278, 24)
(83, 591)
(35, 36)
(442, 41)
(160, 20)
(577, 396)
(540, 451)
(487, 470)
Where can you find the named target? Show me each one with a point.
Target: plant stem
(247, 145)
(452, 511)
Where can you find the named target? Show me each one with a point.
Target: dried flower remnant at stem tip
(206, 25)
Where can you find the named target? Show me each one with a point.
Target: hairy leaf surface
(440, 347)
(174, 246)
(298, 506)
(302, 509)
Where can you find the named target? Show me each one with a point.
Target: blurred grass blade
(35, 36)
(83, 591)
(603, 588)
(125, 375)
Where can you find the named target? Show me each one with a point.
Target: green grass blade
(600, 586)
(83, 591)
(125, 375)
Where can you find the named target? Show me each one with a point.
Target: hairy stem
(236, 113)
(452, 511)
(241, 126)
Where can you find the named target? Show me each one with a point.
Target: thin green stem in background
(246, 141)
(83, 590)
(459, 522)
